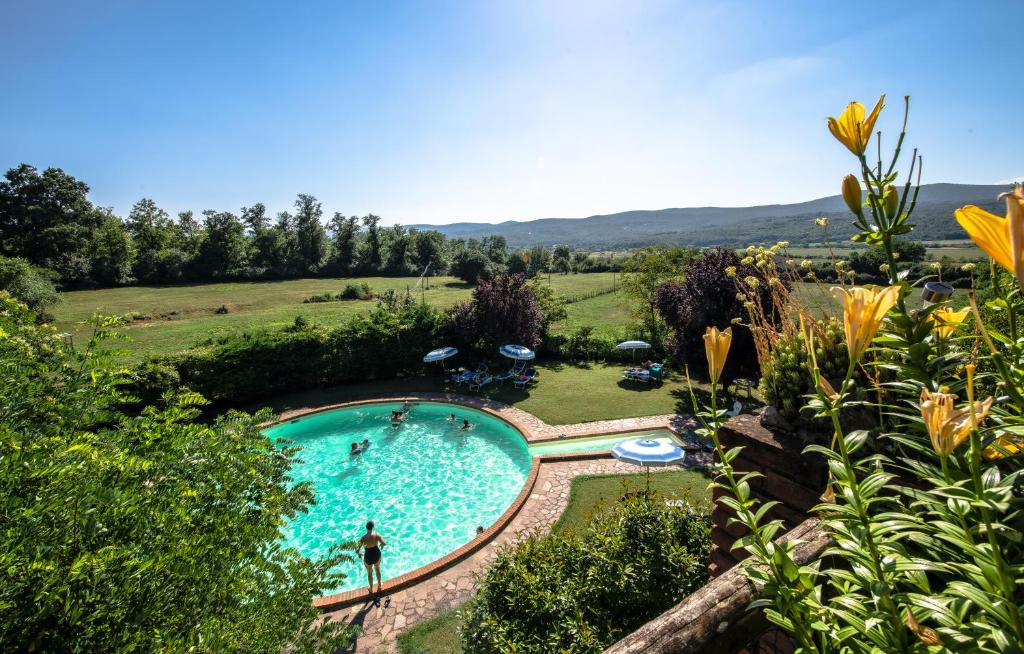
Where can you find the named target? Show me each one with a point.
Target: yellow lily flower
(716, 347)
(1004, 445)
(852, 194)
(852, 129)
(949, 427)
(863, 310)
(1000, 238)
(946, 320)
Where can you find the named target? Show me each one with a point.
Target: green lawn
(565, 393)
(608, 314)
(440, 634)
(173, 318)
(590, 493)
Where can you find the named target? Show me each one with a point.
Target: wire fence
(579, 297)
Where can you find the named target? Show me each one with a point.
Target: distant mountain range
(705, 226)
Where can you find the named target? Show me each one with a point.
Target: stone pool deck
(532, 427)
(438, 587)
(453, 586)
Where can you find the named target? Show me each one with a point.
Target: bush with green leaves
(387, 341)
(582, 591)
(786, 376)
(356, 292)
(142, 533)
(28, 284)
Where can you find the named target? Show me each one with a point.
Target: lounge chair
(517, 369)
(467, 376)
(480, 379)
(528, 377)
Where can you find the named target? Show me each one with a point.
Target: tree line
(47, 219)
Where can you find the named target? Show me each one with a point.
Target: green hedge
(386, 342)
(582, 591)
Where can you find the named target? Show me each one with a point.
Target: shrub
(28, 284)
(786, 377)
(146, 533)
(356, 292)
(242, 368)
(708, 297)
(583, 343)
(582, 591)
(503, 310)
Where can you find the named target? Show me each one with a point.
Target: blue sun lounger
(516, 370)
(526, 378)
(480, 379)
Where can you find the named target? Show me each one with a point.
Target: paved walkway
(452, 587)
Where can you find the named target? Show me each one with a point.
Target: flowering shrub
(786, 376)
(927, 550)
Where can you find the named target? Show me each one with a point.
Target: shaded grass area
(565, 394)
(589, 493)
(169, 319)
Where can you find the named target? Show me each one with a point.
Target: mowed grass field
(169, 319)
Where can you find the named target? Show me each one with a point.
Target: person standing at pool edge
(371, 543)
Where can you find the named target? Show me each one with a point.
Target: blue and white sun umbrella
(647, 452)
(517, 352)
(440, 354)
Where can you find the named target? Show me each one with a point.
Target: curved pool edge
(360, 596)
(530, 428)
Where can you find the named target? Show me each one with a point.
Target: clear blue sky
(493, 110)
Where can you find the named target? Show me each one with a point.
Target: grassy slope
(182, 316)
(440, 634)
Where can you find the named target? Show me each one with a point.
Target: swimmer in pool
(451, 418)
(366, 444)
(466, 425)
(354, 451)
(397, 417)
(406, 407)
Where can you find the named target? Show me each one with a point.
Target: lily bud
(852, 194)
(891, 200)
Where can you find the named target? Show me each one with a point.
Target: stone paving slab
(454, 586)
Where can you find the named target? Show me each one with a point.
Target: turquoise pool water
(597, 443)
(426, 484)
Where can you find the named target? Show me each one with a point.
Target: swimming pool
(600, 443)
(427, 484)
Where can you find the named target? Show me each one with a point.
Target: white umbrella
(440, 354)
(517, 352)
(647, 452)
(634, 346)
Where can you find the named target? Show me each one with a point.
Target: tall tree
(371, 257)
(344, 234)
(47, 219)
(429, 250)
(155, 236)
(112, 254)
(310, 238)
(223, 250)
